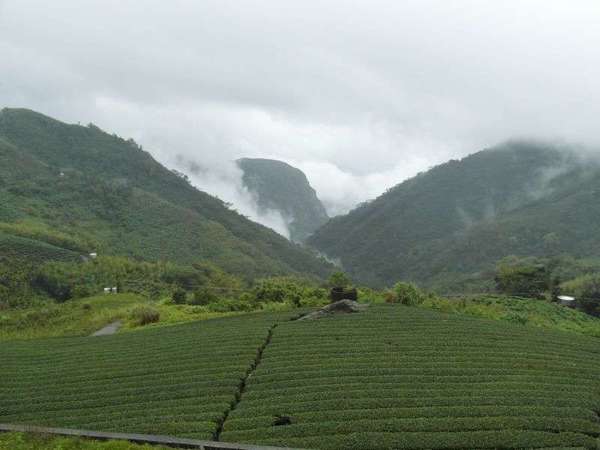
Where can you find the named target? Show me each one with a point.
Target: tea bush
(412, 378)
(175, 380)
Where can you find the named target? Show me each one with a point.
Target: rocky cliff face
(283, 188)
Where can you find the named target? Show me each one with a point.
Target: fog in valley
(358, 95)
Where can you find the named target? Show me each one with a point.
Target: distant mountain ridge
(457, 219)
(111, 196)
(281, 187)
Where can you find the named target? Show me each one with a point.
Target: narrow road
(109, 329)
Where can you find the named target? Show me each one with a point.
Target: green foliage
(204, 296)
(15, 287)
(446, 228)
(179, 296)
(72, 318)
(53, 280)
(41, 232)
(281, 187)
(534, 313)
(339, 280)
(19, 251)
(68, 189)
(586, 290)
(83, 317)
(224, 305)
(408, 294)
(21, 441)
(295, 291)
(65, 280)
(144, 315)
(522, 279)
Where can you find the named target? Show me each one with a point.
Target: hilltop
(66, 190)
(284, 188)
(457, 219)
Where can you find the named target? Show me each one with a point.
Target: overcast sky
(358, 94)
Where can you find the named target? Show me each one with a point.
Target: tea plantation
(20, 249)
(390, 377)
(399, 377)
(173, 380)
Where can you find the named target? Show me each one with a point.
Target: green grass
(73, 318)
(537, 313)
(22, 441)
(391, 377)
(84, 316)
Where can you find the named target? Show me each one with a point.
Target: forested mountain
(455, 221)
(283, 188)
(71, 189)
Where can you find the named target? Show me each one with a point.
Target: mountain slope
(457, 219)
(113, 197)
(283, 188)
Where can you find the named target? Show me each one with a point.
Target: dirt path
(109, 329)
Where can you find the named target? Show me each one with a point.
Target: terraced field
(17, 248)
(391, 377)
(398, 377)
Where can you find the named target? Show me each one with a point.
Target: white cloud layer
(359, 95)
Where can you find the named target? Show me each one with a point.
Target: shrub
(390, 297)
(82, 291)
(339, 280)
(204, 296)
(54, 284)
(408, 294)
(282, 289)
(143, 315)
(522, 279)
(230, 305)
(179, 296)
(590, 306)
(516, 318)
(183, 277)
(586, 290)
(4, 296)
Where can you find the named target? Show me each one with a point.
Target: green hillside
(459, 218)
(390, 377)
(109, 196)
(283, 188)
(16, 248)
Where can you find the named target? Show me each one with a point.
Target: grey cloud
(359, 94)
